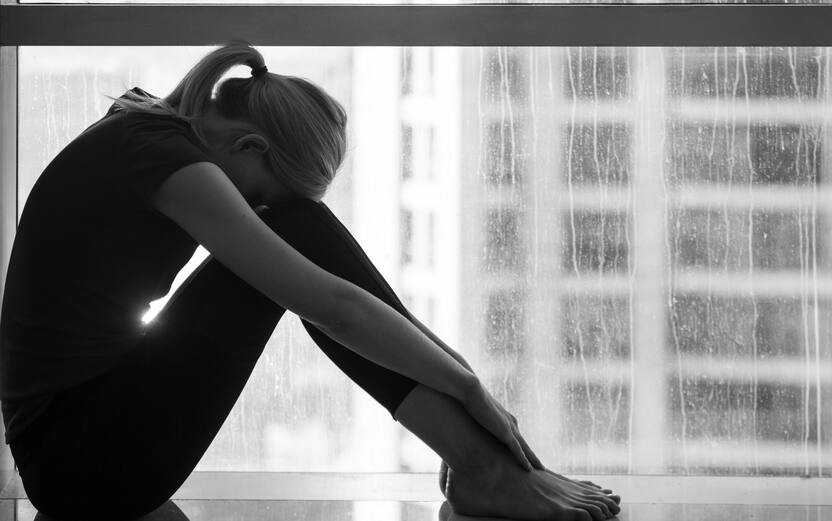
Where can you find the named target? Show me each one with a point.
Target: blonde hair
(305, 126)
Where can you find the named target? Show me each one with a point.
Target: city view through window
(631, 246)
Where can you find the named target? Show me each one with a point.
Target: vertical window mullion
(648, 271)
(8, 155)
(8, 185)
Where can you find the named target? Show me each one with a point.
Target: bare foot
(588, 485)
(582, 486)
(510, 492)
(446, 513)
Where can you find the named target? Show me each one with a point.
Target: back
(88, 256)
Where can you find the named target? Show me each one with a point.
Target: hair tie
(259, 71)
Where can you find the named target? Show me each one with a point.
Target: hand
(488, 412)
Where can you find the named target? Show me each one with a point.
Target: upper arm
(205, 203)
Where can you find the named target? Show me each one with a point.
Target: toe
(576, 514)
(613, 505)
(594, 511)
(606, 501)
(605, 508)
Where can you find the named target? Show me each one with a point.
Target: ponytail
(305, 126)
(193, 93)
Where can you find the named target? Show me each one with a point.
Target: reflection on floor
(264, 496)
(217, 510)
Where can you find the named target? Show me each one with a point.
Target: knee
(289, 208)
(298, 221)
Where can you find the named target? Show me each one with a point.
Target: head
(275, 136)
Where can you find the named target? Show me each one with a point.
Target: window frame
(414, 24)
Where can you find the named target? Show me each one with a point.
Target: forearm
(374, 330)
(445, 347)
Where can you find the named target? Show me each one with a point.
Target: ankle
(481, 458)
(444, 425)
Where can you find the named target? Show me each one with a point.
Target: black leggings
(120, 445)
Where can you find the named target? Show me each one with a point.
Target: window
(648, 227)
(766, 72)
(596, 328)
(505, 159)
(407, 70)
(776, 240)
(734, 152)
(407, 152)
(504, 75)
(597, 153)
(502, 239)
(406, 232)
(505, 323)
(595, 241)
(597, 73)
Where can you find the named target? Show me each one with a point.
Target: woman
(105, 416)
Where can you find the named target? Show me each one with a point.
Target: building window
(596, 153)
(597, 73)
(502, 239)
(406, 234)
(595, 327)
(505, 157)
(505, 76)
(596, 413)
(737, 153)
(407, 70)
(505, 330)
(407, 152)
(737, 238)
(733, 72)
(595, 241)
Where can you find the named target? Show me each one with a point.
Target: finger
(527, 451)
(535, 461)
(517, 450)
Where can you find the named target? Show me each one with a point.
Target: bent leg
(120, 445)
(438, 419)
(136, 433)
(313, 230)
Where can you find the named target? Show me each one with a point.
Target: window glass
(407, 151)
(630, 245)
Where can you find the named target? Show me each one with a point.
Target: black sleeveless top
(88, 256)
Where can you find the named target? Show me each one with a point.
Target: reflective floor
(250, 496)
(221, 510)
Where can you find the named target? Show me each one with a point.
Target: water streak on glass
(631, 246)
